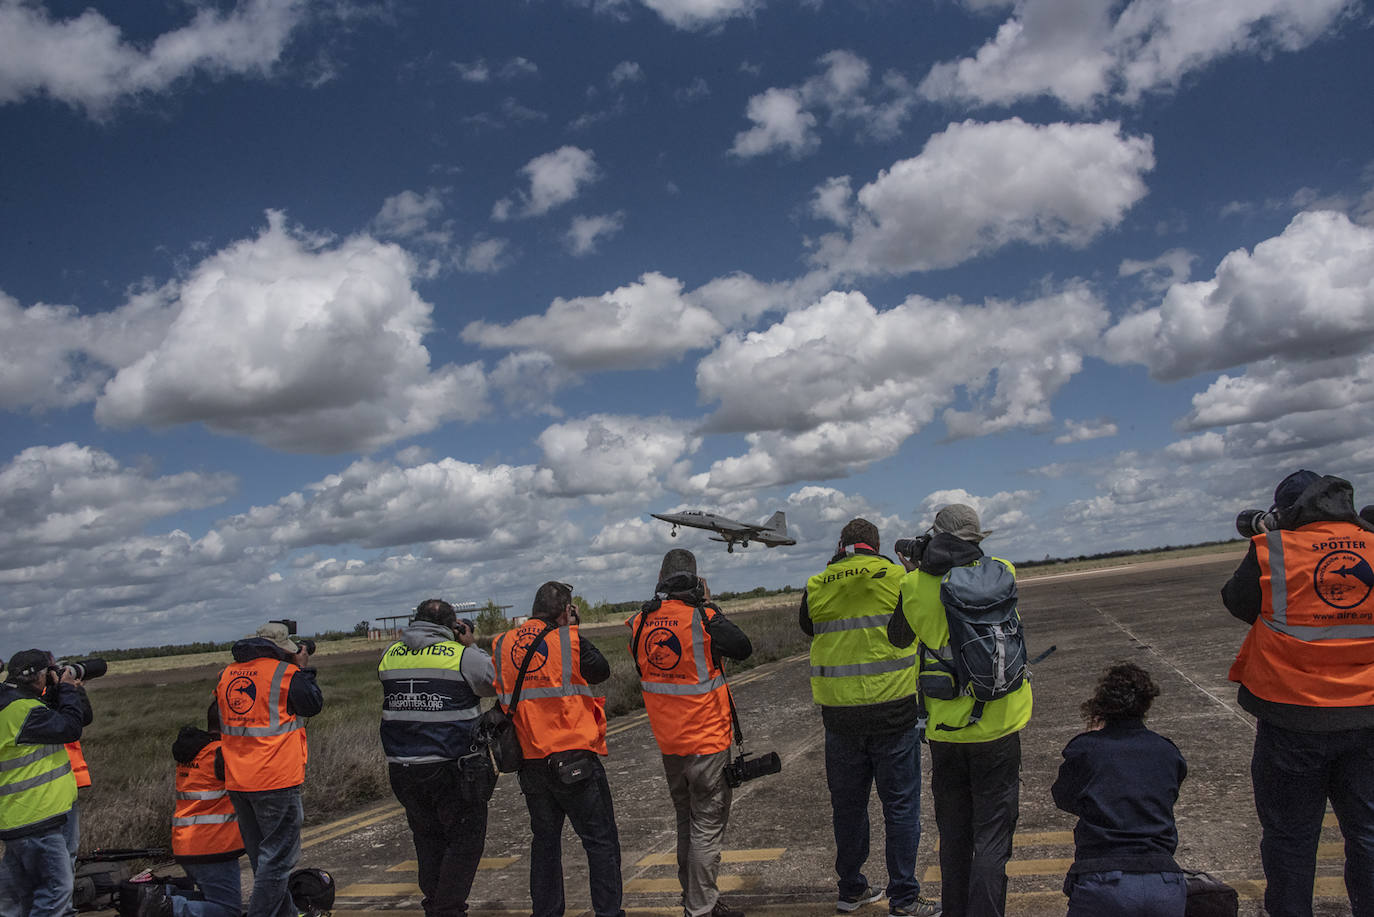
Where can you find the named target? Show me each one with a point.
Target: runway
(779, 860)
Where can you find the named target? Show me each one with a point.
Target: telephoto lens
(1252, 522)
(742, 769)
(86, 669)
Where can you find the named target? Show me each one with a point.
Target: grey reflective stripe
(1332, 632)
(203, 820)
(399, 674)
(843, 624)
(432, 716)
(1278, 577)
(9, 789)
(274, 695)
(658, 687)
(41, 752)
(281, 730)
(557, 691)
(202, 794)
(565, 651)
(881, 667)
(417, 759)
(699, 644)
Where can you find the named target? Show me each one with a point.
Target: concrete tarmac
(779, 856)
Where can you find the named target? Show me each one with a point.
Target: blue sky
(320, 309)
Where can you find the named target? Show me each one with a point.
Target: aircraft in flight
(770, 534)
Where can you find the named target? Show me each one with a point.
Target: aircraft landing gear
(673, 533)
(730, 548)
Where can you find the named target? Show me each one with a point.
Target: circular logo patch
(663, 649)
(241, 694)
(1343, 579)
(522, 647)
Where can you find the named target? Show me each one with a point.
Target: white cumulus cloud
(977, 187)
(586, 231)
(623, 457)
(555, 179)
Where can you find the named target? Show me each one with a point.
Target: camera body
(83, 669)
(913, 549)
(1252, 522)
(742, 769)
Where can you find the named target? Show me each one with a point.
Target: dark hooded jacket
(303, 698)
(1328, 499)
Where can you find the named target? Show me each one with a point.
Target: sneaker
(845, 904)
(921, 907)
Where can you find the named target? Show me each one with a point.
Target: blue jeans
(36, 876)
(853, 764)
(71, 833)
(220, 892)
(270, 822)
(1128, 894)
(1294, 774)
(588, 806)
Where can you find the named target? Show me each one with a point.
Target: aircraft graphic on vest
(663, 649)
(1333, 579)
(521, 647)
(415, 700)
(241, 694)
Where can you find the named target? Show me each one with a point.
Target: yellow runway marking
(1047, 867)
(1042, 838)
(671, 886)
(349, 825)
(484, 863)
(356, 816)
(757, 855)
(380, 890)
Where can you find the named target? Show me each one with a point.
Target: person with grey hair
(866, 690)
(975, 746)
(678, 640)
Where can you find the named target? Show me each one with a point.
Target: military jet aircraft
(770, 534)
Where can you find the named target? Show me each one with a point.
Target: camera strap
(649, 608)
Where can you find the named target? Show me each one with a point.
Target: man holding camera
(678, 639)
(866, 689)
(562, 732)
(975, 746)
(1306, 672)
(37, 789)
(264, 696)
(432, 680)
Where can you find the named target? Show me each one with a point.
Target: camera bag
(496, 726)
(1208, 896)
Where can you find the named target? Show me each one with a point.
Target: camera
(1252, 522)
(305, 642)
(741, 769)
(84, 669)
(913, 549)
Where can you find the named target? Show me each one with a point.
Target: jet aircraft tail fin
(777, 523)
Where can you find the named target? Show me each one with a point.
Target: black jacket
(1329, 499)
(1122, 782)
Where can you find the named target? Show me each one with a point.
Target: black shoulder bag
(496, 727)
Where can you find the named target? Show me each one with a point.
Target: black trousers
(446, 806)
(976, 789)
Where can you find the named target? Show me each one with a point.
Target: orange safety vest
(204, 823)
(557, 711)
(684, 689)
(80, 771)
(264, 745)
(1313, 642)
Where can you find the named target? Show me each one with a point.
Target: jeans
(1128, 894)
(71, 833)
(701, 801)
(976, 790)
(270, 822)
(36, 876)
(446, 807)
(588, 806)
(220, 892)
(853, 764)
(1294, 774)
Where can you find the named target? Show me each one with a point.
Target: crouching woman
(1122, 781)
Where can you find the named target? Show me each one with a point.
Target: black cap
(27, 663)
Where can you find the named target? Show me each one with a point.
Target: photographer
(263, 696)
(1306, 671)
(432, 679)
(678, 639)
(866, 689)
(562, 732)
(37, 789)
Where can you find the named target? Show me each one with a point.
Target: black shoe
(724, 910)
(845, 904)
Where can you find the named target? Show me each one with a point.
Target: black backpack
(986, 654)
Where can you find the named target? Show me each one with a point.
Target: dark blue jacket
(1122, 782)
